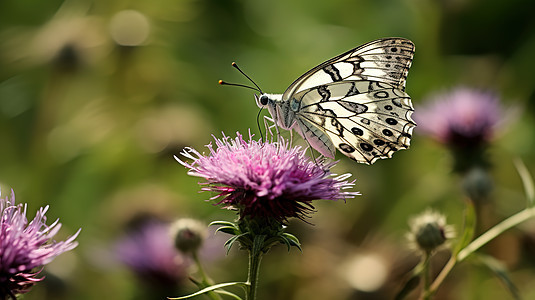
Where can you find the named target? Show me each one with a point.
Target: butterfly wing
(355, 102)
(385, 60)
(366, 120)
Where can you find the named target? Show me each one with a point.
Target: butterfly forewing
(386, 60)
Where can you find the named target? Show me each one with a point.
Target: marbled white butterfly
(354, 102)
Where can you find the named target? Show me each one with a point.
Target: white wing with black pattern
(355, 102)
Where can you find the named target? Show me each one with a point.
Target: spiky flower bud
(429, 231)
(188, 235)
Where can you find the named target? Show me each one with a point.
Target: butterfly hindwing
(386, 60)
(365, 120)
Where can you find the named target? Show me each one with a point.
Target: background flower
(147, 249)
(265, 180)
(461, 118)
(465, 120)
(26, 248)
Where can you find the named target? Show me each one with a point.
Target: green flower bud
(188, 235)
(429, 231)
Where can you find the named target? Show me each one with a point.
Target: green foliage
(499, 269)
(90, 127)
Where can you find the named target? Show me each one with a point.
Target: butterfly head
(266, 100)
(261, 100)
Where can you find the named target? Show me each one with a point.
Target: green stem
(498, 229)
(479, 242)
(426, 275)
(255, 256)
(205, 280)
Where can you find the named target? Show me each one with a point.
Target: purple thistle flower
(462, 118)
(148, 250)
(26, 248)
(267, 180)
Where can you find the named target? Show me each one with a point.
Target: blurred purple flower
(148, 251)
(26, 247)
(267, 180)
(461, 118)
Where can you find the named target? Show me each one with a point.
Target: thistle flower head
(268, 180)
(461, 118)
(25, 247)
(147, 249)
(429, 231)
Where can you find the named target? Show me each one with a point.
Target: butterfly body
(355, 102)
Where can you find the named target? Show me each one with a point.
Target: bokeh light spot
(367, 272)
(129, 28)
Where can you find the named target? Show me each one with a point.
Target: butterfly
(354, 102)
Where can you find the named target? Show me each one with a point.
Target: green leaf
(499, 269)
(229, 230)
(212, 288)
(230, 242)
(527, 181)
(286, 242)
(223, 223)
(271, 242)
(469, 227)
(292, 240)
(223, 292)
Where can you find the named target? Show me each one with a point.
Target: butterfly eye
(264, 100)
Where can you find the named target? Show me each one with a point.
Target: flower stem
(498, 229)
(426, 276)
(479, 242)
(255, 256)
(205, 280)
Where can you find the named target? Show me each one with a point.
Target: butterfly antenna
(221, 82)
(235, 65)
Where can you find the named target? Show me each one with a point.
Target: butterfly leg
(269, 125)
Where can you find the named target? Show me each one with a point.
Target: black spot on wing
(346, 148)
(379, 142)
(353, 107)
(357, 131)
(391, 121)
(366, 147)
(381, 94)
(397, 102)
(388, 132)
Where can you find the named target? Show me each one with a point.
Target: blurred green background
(97, 96)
